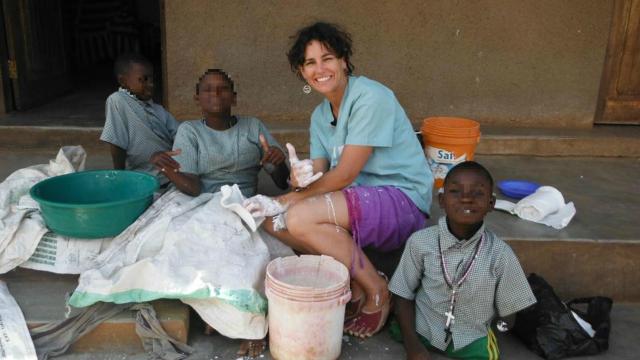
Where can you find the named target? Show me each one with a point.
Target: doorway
(57, 56)
(619, 99)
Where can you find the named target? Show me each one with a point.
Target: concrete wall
(502, 62)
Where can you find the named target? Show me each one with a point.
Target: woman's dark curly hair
(330, 35)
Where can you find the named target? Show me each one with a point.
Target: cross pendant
(449, 314)
(450, 319)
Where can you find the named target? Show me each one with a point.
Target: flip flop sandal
(367, 324)
(354, 307)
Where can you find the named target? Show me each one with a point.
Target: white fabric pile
(15, 341)
(21, 225)
(545, 206)
(206, 251)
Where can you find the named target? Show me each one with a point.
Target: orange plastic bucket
(448, 141)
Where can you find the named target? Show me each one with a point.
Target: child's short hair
(215, 72)
(470, 165)
(124, 61)
(330, 35)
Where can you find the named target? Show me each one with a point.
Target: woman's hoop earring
(306, 89)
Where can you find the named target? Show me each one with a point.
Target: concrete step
(623, 345)
(618, 141)
(42, 298)
(597, 254)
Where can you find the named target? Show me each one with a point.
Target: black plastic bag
(549, 329)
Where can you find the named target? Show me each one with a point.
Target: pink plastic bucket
(307, 297)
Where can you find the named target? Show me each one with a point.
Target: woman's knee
(303, 218)
(297, 222)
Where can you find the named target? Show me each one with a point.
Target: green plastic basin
(94, 204)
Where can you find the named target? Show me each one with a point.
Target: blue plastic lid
(517, 189)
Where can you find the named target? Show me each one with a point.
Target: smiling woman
(367, 183)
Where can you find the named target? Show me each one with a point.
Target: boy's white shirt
(496, 285)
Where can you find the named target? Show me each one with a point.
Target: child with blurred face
(221, 148)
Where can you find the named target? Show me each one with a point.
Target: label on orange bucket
(441, 160)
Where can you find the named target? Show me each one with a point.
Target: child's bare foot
(208, 330)
(252, 348)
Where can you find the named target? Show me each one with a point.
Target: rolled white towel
(544, 201)
(545, 206)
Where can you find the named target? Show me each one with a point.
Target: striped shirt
(223, 157)
(139, 127)
(496, 283)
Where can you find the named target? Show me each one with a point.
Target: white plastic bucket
(307, 297)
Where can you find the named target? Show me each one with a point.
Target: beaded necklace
(455, 285)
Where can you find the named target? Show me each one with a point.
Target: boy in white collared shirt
(135, 126)
(455, 277)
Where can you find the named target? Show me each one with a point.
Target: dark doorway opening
(58, 56)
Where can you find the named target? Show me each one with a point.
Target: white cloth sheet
(545, 206)
(15, 342)
(206, 251)
(21, 225)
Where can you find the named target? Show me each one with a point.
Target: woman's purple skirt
(382, 217)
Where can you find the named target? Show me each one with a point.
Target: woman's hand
(301, 170)
(164, 161)
(262, 206)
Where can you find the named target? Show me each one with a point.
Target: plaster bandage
(331, 210)
(280, 222)
(261, 206)
(301, 170)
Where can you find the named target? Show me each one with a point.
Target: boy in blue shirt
(455, 277)
(135, 126)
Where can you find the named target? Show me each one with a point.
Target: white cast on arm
(261, 206)
(301, 170)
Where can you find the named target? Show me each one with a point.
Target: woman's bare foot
(252, 348)
(374, 313)
(354, 306)
(381, 296)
